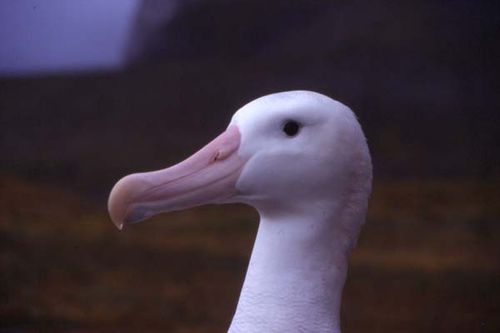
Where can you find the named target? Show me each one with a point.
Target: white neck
(295, 276)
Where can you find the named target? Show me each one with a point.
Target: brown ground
(427, 261)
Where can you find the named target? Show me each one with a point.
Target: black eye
(291, 127)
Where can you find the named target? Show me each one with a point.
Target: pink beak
(208, 176)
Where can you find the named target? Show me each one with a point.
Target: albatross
(301, 160)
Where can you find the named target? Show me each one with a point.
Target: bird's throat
(294, 280)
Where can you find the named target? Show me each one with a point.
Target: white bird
(301, 159)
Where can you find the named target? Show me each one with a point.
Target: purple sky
(38, 36)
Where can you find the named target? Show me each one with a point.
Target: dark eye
(291, 128)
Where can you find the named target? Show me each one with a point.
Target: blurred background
(93, 90)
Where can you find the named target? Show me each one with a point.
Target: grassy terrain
(427, 261)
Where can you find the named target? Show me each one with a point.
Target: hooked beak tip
(121, 206)
(119, 225)
(118, 222)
